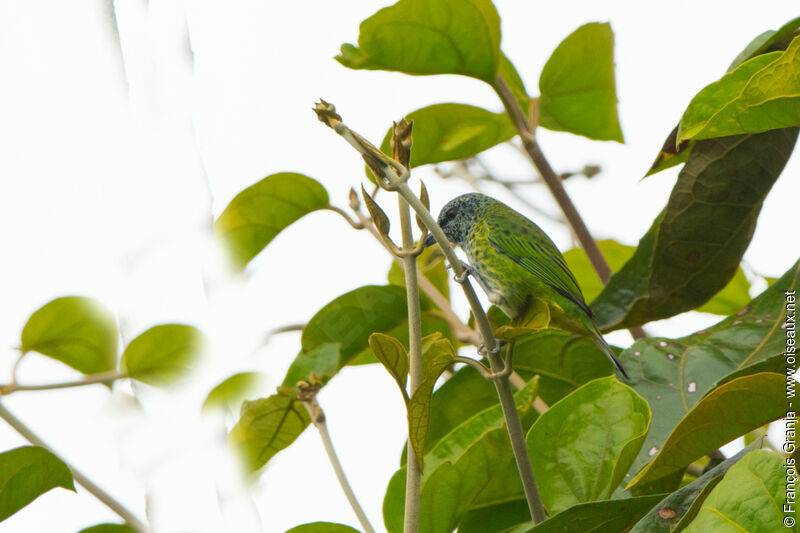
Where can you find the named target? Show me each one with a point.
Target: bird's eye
(448, 215)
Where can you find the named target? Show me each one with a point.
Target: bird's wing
(528, 246)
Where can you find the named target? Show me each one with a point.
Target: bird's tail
(603, 345)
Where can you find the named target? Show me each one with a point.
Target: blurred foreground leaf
(163, 354)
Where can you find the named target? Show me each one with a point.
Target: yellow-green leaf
(583, 445)
(749, 498)
(77, 331)
(232, 391)
(163, 354)
(392, 355)
(267, 426)
(259, 213)
(578, 91)
(727, 412)
(26, 473)
(761, 94)
(423, 37)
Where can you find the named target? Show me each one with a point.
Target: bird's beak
(430, 240)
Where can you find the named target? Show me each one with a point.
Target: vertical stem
(318, 419)
(88, 484)
(415, 363)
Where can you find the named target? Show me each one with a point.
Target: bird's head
(459, 216)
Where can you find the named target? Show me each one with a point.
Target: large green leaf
(578, 91)
(319, 364)
(673, 375)
(322, 527)
(669, 513)
(769, 41)
(562, 361)
(26, 473)
(422, 37)
(163, 354)
(695, 245)
(605, 516)
(749, 498)
(761, 94)
(727, 412)
(232, 391)
(447, 132)
(77, 331)
(730, 299)
(582, 446)
(473, 465)
(257, 214)
(267, 426)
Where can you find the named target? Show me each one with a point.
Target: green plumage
(516, 262)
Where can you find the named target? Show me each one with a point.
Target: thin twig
(104, 378)
(88, 484)
(318, 419)
(356, 224)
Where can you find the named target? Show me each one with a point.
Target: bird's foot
(468, 271)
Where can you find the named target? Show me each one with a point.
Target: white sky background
(112, 164)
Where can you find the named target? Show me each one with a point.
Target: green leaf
(430, 263)
(578, 91)
(109, 528)
(616, 255)
(694, 246)
(256, 215)
(606, 516)
(163, 354)
(435, 359)
(352, 317)
(319, 364)
(562, 361)
(26, 473)
(761, 94)
(230, 393)
(730, 299)
(497, 518)
(514, 81)
(77, 331)
(267, 426)
(727, 412)
(769, 41)
(582, 446)
(392, 355)
(421, 37)
(322, 527)
(749, 498)
(477, 465)
(674, 375)
(447, 132)
(668, 514)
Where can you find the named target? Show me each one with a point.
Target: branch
(553, 181)
(96, 491)
(393, 176)
(318, 419)
(104, 378)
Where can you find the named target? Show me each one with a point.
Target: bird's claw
(498, 345)
(468, 271)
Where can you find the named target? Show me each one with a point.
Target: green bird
(515, 262)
